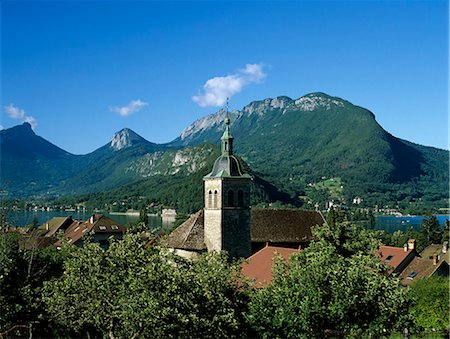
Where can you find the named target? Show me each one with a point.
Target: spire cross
(227, 118)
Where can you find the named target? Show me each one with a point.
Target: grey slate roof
(283, 225)
(189, 235)
(267, 225)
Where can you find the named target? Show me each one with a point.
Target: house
(54, 225)
(258, 267)
(397, 258)
(437, 249)
(228, 223)
(98, 226)
(433, 261)
(420, 268)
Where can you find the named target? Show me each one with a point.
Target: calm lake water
(22, 218)
(403, 223)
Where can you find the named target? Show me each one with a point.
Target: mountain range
(290, 145)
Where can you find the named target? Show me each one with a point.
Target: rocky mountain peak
(313, 101)
(124, 138)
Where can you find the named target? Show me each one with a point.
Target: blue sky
(80, 71)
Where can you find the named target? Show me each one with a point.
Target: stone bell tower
(227, 203)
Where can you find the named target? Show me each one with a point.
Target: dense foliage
(22, 275)
(431, 304)
(129, 291)
(335, 287)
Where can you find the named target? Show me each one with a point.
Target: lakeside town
(224, 169)
(251, 241)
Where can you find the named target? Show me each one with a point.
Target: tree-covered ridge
(293, 145)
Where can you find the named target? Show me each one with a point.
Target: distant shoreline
(131, 213)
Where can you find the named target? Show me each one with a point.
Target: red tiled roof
(259, 265)
(393, 256)
(101, 224)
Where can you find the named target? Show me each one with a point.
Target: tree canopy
(334, 287)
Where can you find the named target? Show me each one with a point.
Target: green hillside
(310, 150)
(293, 143)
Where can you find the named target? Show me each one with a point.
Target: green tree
(22, 274)
(430, 305)
(335, 287)
(35, 223)
(446, 232)
(129, 291)
(143, 217)
(429, 232)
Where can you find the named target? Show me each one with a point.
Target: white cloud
(17, 113)
(217, 90)
(133, 106)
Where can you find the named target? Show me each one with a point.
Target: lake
(403, 223)
(22, 218)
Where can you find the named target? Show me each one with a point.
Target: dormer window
(388, 258)
(102, 228)
(412, 275)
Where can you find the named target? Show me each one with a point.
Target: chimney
(411, 244)
(445, 247)
(405, 248)
(47, 226)
(435, 259)
(91, 219)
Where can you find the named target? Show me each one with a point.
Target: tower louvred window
(210, 199)
(215, 200)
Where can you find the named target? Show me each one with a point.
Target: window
(412, 275)
(102, 228)
(114, 227)
(226, 146)
(76, 229)
(388, 258)
(240, 198)
(209, 199)
(215, 199)
(230, 198)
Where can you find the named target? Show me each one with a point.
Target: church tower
(227, 203)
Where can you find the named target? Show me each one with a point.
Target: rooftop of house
(258, 266)
(189, 235)
(34, 240)
(436, 249)
(53, 225)
(96, 224)
(267, 225)
(420, 268)
(283, 225)
(393, 256)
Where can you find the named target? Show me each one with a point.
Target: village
(257, 238)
